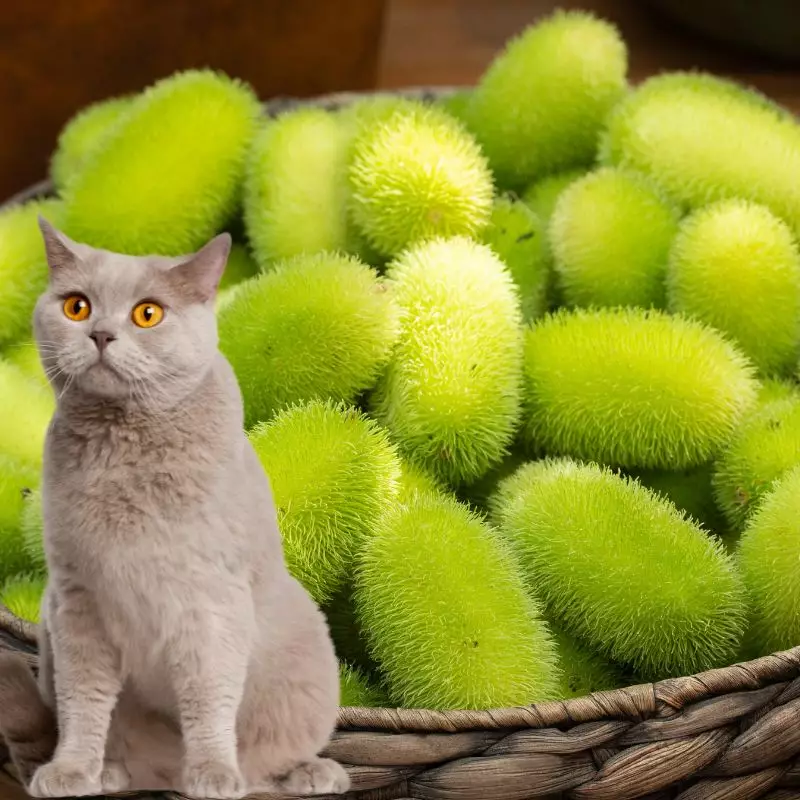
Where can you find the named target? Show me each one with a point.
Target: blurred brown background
(58, 55)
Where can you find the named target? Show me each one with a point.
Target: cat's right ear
(56, 246)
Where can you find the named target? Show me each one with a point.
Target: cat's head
(137, 329)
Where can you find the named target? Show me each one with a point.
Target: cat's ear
(198, 277)
(57, 246)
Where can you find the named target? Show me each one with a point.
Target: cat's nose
(101, 339)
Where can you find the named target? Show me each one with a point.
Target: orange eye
(147, 314)
(77, 308)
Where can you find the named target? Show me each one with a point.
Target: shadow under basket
(726, 734)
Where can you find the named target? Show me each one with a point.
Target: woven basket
(726, 734)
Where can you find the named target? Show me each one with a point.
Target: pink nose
(101, 339)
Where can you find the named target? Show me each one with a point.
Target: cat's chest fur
(147, 515)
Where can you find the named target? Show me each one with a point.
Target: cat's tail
(27, 725)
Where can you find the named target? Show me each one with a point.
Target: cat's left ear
(198, 277)
(58, 247)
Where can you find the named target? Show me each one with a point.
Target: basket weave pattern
(726, 734)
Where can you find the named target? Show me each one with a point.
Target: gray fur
(177, 651)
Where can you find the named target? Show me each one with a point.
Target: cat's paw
(320, 776)
(114, 778)
(63, 779)
(213, 780)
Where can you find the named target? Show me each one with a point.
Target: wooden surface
(452, 41)
(58, 55)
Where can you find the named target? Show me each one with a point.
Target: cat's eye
(147, 314)
(77, 308)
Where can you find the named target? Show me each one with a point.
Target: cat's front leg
(209, 669)
(88, 681)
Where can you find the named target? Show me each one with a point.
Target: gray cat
(176, 650)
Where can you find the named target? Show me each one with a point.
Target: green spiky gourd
(633, 388)
(364, 114)
(345, 630)
(765, 447)
(735, 266)
(542, 195)
(768, 555)
(610, 234)
(518, 237)
(540, 106)
(168, 177)
(332, 472)
(23, 266)
(450, 395)
(25, 412)
(457, 103)
(25, 356)
(22, 596)
(414, 479)
(704, 138)
(32, 528)
(240, 267)
(417, 175)
(17, 478)
(478, 494)
(356, 691)
(314, 326)
(645, 587)
(777, 389)
(690, 490)
(295, 198)
(82, 135)
(446, 613)
(583, 671)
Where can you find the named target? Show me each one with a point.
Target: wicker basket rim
(639, 701)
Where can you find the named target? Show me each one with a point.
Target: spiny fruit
(25, 356)
(22, 596)
(517, 236)
(542, 195)
(16, 479)
(777, 389)
(348, 640)
(82, 135)
(295, 198)
(32, 526)
(355, 690)
(768, 555)
(703, 139)
(446, 613)
(735, 266)
(413, 479)
(332, 472)
(456, 104)
(450, 395)
(23, 266)
(583, 671)
(610, 233)
(25, 412)
(315, 326)
(477, 494)
(415, 176)
(240, 267)
(633, 388)
(540, 106)
(763, 448)
(620, 568)
(357, 118)
(168, 176)
(690, 490)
